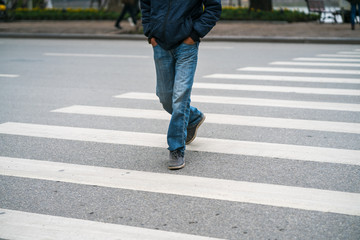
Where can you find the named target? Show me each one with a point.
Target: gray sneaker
(176, 160)
(191, 131)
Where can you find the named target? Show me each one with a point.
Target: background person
(354, 4)
(130, 6)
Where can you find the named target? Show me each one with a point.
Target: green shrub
(228, 13)
(238, 13)
(64, 14)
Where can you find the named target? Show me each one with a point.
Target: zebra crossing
(241, 120)
(263, 149)
(9, 75)
(333, 91)
(339, 55)
(327, 59)
(282, 78)
(317, 64)
(253, 102)
(265, 194)
(300, 70)
(39, 226)
(211, 188)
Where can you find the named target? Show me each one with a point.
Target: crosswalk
(253, 102)
(266, 194)
(240, 120)
(211, 188)
(39, 226)
(9, 75)
(283, 78)
(263, 149)
(338, 55)
(328, 59)
(317, 64)
(300, 70)
(304, 90)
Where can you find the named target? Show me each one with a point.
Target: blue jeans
(175, 70)
(353, 12)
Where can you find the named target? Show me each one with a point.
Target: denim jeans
(175, 70)
(353, 12)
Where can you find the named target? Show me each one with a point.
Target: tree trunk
(265, 5)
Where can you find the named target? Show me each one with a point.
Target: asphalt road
(40, 76)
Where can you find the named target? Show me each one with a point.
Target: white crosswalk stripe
(9, 75)
(344, 52)
(262, 88)
(28, 226)
(300, 70)
(226, 119)
(257, 193)
(261, 149)
(338, 55)
(254, 102)
(316, 64)
(284, 78)
(327, 59)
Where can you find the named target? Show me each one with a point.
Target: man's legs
(165, 75)
(183, 114)
(175, 70)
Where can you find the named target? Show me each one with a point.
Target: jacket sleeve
(208, 19)
(145, 12)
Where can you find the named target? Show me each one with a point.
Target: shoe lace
(177, 154)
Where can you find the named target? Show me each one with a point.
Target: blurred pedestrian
(130, 6)
(354, 4)
(174, 28)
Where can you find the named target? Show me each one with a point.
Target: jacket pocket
(156, 29)
(177, 31)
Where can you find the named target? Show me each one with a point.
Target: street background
(223, 28)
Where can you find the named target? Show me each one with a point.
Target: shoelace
(177, 154)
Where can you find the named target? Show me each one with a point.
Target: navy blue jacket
(172, 21)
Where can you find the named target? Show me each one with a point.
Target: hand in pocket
(153, 42)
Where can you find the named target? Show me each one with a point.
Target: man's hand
(189, 41)
(153, 42)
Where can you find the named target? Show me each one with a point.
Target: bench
(318, 6)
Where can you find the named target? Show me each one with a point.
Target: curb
(73, 36)
(321, 40)
(318, 40)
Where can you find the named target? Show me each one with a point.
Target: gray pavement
(47, 81)
(244, 31)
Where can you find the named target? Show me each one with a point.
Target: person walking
(130, 6)
(354, 4)
(174, 29)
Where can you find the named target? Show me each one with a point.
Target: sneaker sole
(177, 167)
(193, 138)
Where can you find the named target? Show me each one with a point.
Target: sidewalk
(225, 30)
